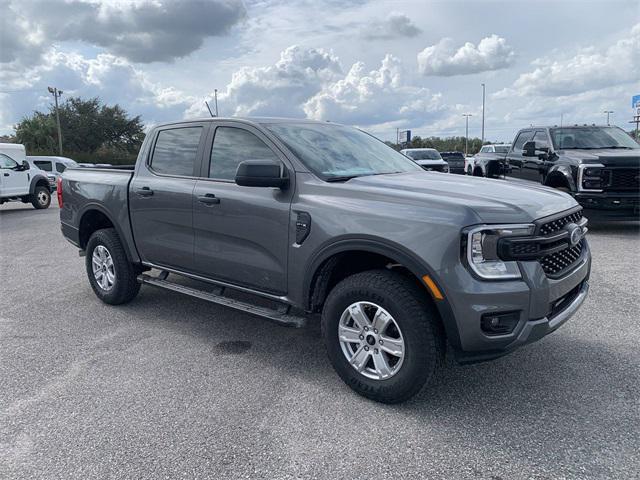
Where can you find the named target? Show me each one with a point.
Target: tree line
(91, 132)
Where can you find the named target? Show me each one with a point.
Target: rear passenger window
(60, 168)
(232, 146)
(42, 165)
(176, 150)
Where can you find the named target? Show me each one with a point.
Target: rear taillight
(59, 191)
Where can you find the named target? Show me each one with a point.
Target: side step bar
(280, 316)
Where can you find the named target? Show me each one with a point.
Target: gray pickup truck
(319, 217)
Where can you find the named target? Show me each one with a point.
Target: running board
(280, 316)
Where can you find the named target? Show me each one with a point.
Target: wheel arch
(38, 181)
(558, 174)
(318, 276)
(95, 217)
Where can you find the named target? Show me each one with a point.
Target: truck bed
(91, 191)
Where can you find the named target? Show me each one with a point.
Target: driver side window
(7, 162)
(521, 140)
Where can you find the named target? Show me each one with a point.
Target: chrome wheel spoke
(360, 359)
(103, 268)
(359, 316)
(393, 346)
(380, 320)
(381, 364)
(349, 334)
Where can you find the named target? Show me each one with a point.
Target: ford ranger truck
(598, 165)
(315, 217)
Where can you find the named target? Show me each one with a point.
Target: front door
(515, 159)
(241, 233)
(533, 166)
(161, 196)
(12, 182)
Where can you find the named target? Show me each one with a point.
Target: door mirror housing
(21, 167)
(261, 173)
(534, 149)
(25, 165)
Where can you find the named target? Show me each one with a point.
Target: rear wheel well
(477, 172)
(92, 221)
(341, 265)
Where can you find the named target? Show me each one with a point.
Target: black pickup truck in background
(598, 165)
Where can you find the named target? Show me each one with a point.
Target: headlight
(590, 177)
(481, 251)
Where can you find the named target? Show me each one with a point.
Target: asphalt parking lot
(173, 387)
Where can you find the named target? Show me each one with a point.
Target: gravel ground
(173, 387)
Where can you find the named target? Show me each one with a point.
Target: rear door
(14, 182)
(161, 196)
(515, 159)
(241, 233)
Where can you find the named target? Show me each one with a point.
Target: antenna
(215, 94)
(209, 108)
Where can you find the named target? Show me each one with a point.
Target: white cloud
(279, 89)
(444, 59)
(397, 25)
(142, 31)
(589, 69)
(375, 97)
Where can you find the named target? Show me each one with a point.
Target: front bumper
(610, 204)
(543, 304)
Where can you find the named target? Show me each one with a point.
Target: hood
(493, 201)
(609, 157)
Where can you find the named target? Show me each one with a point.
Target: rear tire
(413, 330)
(469, 170)
(111, 275)
(41, 198)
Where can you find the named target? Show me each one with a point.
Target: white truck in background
(21, 181)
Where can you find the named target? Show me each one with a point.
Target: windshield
(423, 154)
(502, 149)
(338, 151)
(590, 138)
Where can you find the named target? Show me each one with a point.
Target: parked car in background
(53, 166)
(20, 182)
(455, 160)
(427, 158)
(319, 217)
(491, 150)
(95, 165)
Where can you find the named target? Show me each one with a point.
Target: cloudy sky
(377, 64)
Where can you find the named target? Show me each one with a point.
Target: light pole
(215, 93)
(608, 112)
(57, 94)
(466, 133)
(483, 92)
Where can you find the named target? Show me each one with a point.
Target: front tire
(111, 275)
(382, 335)
(41, 198)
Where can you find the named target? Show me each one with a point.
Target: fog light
(500, 323)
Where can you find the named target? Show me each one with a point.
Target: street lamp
(466, 133)
(57, 94)
(483, 92)
(608, 112)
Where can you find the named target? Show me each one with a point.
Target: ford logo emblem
(575, 234)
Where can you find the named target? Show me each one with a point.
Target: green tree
(91, 131)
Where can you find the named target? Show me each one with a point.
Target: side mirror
(534, 149)
(261, 173)
(25, 165)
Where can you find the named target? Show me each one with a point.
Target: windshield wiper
(618, 146)
(341, 178)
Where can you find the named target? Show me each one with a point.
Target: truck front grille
(556, 225)
(556, 264)
(617, 179)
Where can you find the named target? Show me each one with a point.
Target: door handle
(144, 192)
(6, 174)
(208, 199)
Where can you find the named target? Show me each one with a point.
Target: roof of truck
(255, 120)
